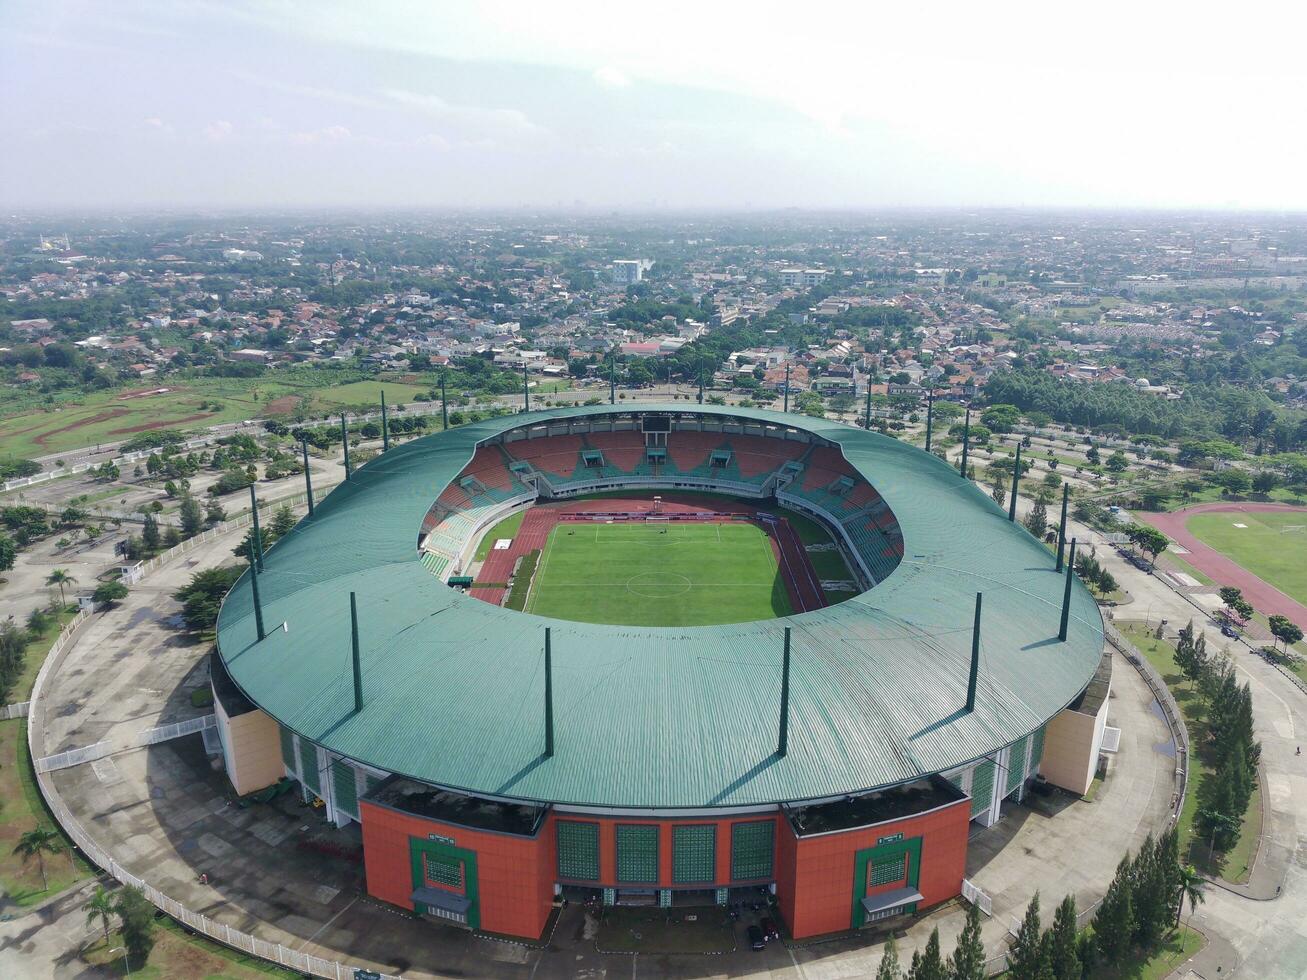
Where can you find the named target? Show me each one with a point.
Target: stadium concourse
(834, 757)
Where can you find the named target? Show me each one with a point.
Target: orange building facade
(504, 879)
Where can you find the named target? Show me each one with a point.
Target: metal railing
(272, 952)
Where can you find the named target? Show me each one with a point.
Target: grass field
(658, 575)
(1273, 545)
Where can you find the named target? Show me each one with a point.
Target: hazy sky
(114, 103)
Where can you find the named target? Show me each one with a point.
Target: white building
(627, 272)
(802, 277)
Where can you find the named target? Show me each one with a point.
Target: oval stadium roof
(453, 687)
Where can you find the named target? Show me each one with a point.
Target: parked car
(1229, 630)
(756, 939)
(769, 928)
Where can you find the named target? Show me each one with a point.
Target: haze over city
(678, 105)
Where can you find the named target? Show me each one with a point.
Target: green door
(447, 868)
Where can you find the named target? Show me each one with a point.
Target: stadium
(665, 655)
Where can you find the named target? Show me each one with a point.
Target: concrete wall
(1072, 743)
(251, 749)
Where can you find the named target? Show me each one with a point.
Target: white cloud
(218, 132)
(611, 77)
(328, 134)
(473, 119)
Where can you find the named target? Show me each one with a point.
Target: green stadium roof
(453, 687)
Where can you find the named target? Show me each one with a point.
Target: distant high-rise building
(802, 277)
(627, 272)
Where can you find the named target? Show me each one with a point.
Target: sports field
(654, 574)
(1271, 544)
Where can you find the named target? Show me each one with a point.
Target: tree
(1000, 418)
(214, 513)
(100, 906)
(61, 578)
(192, 517)
(137, 916)
(1037, 519)
(969, 954)
(930, 964)
(150, 532)
(1092, 456)
(1117, 463)
(1025, 956)
(1114, 922)
(203, 595)
(999, 493)
(1148, 539)
(37, 843)
(1264, 481)
(108, 593)
(1285, 630)
(282, 521)
(1192, 886)
(1233, 482)
(1064, 950)
(889, 968)
(8, 552)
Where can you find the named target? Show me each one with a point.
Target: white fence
(272, 952)
(75, 757)
(164, 733)
(17, 710)
(977, 897)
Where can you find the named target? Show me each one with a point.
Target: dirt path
(112, 413)
(1265, 597)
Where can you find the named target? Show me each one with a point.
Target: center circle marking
(658, 585)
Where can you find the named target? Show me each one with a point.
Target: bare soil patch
(112, 413)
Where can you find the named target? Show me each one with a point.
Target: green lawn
(652, 574)
(366, 396)
(1273, 546)
(1174, 949)
(21, 810)
(507, 528)
(1233, 865)
(654, 931)
(176, 955)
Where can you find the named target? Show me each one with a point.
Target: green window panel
(982, 787)
(694, 854)
(752, 848)
(578, 850)
(342, 781)
(1037, 751)
(287, 748)
(309, 766)
(637, 853)
(443, 870)
(1016, 771)
(884, 872)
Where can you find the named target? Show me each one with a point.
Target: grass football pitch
(656, 574)
(1271, 545)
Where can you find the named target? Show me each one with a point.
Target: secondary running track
(1265, 597)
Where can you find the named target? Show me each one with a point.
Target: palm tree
(60, 577)
(38, 842)
(101, 906)
(1192, 885)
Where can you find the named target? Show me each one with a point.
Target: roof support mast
(1066, 592)
(526, 390)
(549, 698)
(385, 424)
(930, 415)
(975, 658)
(256, 536)
(966, 440)
(258, 606)
(444, 402)
(344, 438)
(787, 385)
(783, 742)
(354, 651)
(866, 422)
(308, 480)
(1016, 483)
(1061, 527)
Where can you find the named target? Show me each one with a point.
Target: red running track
(1265, 597)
